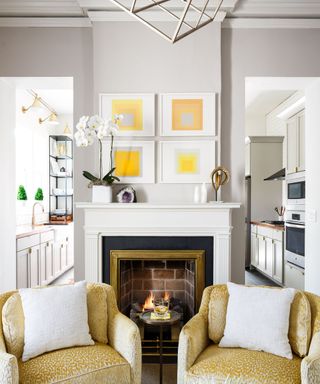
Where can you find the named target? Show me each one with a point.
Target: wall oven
(295, 237)
(296, 189)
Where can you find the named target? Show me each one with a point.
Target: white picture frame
(133, 124)
(186, 161)
(145, 150)
(195, 124)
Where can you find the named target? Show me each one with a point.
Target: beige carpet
(150, 374)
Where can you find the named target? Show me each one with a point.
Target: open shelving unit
(60, 179)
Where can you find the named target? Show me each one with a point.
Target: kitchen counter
(277, 227)
(28, 230)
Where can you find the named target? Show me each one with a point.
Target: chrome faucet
(33, 214)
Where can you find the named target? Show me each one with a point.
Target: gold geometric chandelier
(189, 15)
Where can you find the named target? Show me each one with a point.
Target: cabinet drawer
(278, 235)
(266, 232)
(47, 236)
(27, 242)
(293, 277)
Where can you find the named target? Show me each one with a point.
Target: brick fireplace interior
(164, 277)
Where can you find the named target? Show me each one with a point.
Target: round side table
(174, 318)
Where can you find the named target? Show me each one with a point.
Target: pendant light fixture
(189, 15)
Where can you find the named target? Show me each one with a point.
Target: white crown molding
(252, 8)
(227, 5)
(34, 8)
(101, 16)
(259, 23)
(59, 22)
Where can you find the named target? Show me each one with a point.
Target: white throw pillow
(258, 319)
(55, 318)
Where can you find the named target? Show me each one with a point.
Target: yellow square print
(187, 163)
(187, 115)
(132, 111)
(127, 163)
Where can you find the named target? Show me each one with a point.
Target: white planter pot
(101, 194)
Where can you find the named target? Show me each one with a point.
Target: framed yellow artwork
(138, 112)
(186, 161)
(134, 161)
(187, 114)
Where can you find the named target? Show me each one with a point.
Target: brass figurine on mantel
(219, 177)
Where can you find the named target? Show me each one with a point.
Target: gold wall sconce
(35, 104)
(50, 119)
(38, 102)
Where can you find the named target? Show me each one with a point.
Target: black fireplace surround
(205, 243)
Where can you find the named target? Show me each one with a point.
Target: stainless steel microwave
(296, 189)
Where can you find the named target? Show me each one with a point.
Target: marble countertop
(28, 230)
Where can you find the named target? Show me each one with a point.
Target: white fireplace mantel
(146, 219)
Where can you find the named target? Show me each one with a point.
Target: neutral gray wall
(129, 58)
(7, 192)
(260, 52)
(55, 52)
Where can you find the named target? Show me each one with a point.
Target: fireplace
(176, 274)
(158, 227)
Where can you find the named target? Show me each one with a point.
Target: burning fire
(148, 304)
(166, 296)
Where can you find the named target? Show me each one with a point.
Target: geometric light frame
(203, 16)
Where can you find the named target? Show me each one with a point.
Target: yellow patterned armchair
(201, 361)
(115, 357)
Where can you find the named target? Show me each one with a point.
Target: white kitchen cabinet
(267, 251)
(34, 266)
(44, 256)
(28, 267)
(63, 249)
(269, 256)
(22, 268)
(46, 262)
(254, 250)
(301, 148)
(295, 138)
(277, 264)
(294, 277)
(261, 253)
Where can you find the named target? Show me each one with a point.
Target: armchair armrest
(9, 372)
(310, 366)
(192, 341)
(124, 337)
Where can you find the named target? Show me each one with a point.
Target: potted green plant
(89, 129)
(39, 195)
(22, 194)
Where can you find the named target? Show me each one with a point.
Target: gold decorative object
(219, 177)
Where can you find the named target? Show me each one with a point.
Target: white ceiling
(263, 94)
(79, 8)
(255, 86)
(266, 101)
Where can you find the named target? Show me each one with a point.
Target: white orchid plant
(94, 127)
